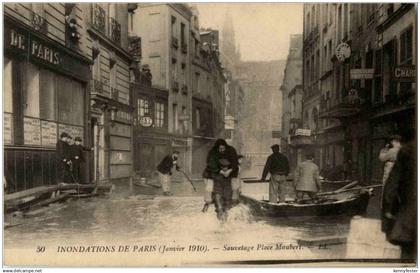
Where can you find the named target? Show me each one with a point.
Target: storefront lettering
(405, 73)
(45, 53)
(17, 40)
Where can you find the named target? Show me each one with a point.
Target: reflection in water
(133, 219)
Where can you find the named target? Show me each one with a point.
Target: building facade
(107, 43)
(366, 82)
(165, 33)
(291, 94)
(46, 91)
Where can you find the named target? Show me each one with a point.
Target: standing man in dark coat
(77, 158)
(278, 166)
(165, 171)
(399, 203)
(63, 158)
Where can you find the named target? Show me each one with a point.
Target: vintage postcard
(209, 134)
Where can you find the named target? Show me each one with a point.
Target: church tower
(229, 52)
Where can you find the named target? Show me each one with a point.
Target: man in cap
(77, 157)
(277, 165)
(63, 158)
(165, 171)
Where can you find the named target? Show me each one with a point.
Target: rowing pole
(188, 178)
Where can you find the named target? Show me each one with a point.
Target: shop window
(47, 102)
(7, 102)
(31, 91)
(159, 114)
(7, 86)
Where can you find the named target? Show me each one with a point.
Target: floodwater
(131, 216)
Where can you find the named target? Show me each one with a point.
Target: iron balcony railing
(115, 30)
(98, 18)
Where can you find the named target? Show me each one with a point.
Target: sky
(263, 30)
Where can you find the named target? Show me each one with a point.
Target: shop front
(151, 141)
(45, 94)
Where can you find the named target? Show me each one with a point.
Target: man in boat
(277, 165)
(63, 158)
(165, 171)
(307, 178)
(399, 203)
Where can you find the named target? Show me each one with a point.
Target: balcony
(174, 42)
(350, 106)
(98, 16)
(39, 23)
(115, 31)
(184, 48)
(134, 47)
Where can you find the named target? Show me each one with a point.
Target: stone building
(46, 76)
(291, 114)
(165, 33)
(363, 95)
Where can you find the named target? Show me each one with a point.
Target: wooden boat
(343, 203)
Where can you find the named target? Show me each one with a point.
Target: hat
(224, 162)
(64, 135)
(69, 136)
(395, 137)
(175, 152)
(78, 139)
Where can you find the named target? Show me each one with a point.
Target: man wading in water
(218, 177)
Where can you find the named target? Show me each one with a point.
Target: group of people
(306, 178)
(70, 158)
(399, 197)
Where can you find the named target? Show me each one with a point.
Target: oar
(347, 190)
(188, 178)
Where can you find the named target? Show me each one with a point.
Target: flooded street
(130, 217)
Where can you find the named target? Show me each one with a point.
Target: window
(182, 34)
(173, 26)
(97, 68)
(51, 104)
(47, 93)
(331, 13)
(142, 107)
(7, 102)
(175, 117)
(184, 122)
(8, 86)
(31, 91)
(197, 118)
(406, 46)
(159, 114)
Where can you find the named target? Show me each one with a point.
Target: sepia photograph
(209, 135)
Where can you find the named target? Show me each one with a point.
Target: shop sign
(7, 128)
(146, 121)
(73, 131)
(361, 74)
(36, 49)
(276, 134)
(48, 133)
(405, 73)
(303, 132)
(32, 131)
